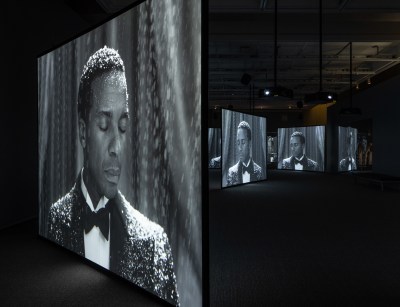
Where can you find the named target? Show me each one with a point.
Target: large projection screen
(244, 152)
(347, 149)
(302, 148)
(214, 147)
(132, 152)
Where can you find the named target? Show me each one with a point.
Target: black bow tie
(100, 219)
(298, 161)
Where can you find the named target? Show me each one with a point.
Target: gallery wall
(384, 101)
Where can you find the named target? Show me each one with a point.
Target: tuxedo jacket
(235, 173)
(308, 164)
(215, 162)
(139, 249)
(344, 165)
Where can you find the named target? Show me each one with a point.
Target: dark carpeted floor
(297, 239)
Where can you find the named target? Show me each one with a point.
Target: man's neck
(94, 196)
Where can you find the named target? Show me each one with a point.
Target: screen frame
(215, 168)
(204, 159)
(338, 151)
(325, 150)
(222, 150)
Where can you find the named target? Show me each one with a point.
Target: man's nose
(115, 144)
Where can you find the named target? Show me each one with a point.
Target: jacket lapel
(117, 238)
(77, 219)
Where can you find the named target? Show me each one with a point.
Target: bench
(377, 178)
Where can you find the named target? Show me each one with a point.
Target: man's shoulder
(256, 168)
(146, 251)
(286, 161)
(312, 164)
(138, 226)
(62, 208)
(215, 162)
(234, 168)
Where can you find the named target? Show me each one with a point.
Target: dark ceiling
(242, 41)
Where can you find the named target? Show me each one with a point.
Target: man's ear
(82, 132)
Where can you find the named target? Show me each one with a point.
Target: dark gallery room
(201, 153)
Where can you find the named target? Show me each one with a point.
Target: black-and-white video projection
(272, 148)
(214, 147)
(302, 148)
(347, 149)
(120, 147)
(244, 152)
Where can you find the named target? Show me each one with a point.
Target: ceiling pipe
(320, 96)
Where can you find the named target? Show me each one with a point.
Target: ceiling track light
(278, 91)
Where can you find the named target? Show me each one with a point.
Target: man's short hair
(246, 126)
(300, 135)
(102, 61)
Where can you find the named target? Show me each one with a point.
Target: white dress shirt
(298, 166)
(97, 247)
(246, 175)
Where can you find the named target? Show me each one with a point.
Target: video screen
(214, 148)
(272, 143)
(364, 151)
(244, 152)
(120, 147)
(302, 148)
(347, 149)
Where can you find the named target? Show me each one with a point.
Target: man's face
(243, 145)
(106, 134)
(296, 146)
(364, 143)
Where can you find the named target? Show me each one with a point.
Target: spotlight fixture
(369, 81)
(278, 91)
(320, 97)
(357, 87)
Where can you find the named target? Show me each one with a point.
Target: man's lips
(112, 174)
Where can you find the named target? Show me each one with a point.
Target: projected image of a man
(245, 170)
(348, 163)
(298, 160)
(94, 219)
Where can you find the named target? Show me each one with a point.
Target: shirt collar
(248, 163)
(300, 158)
(102, 202)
